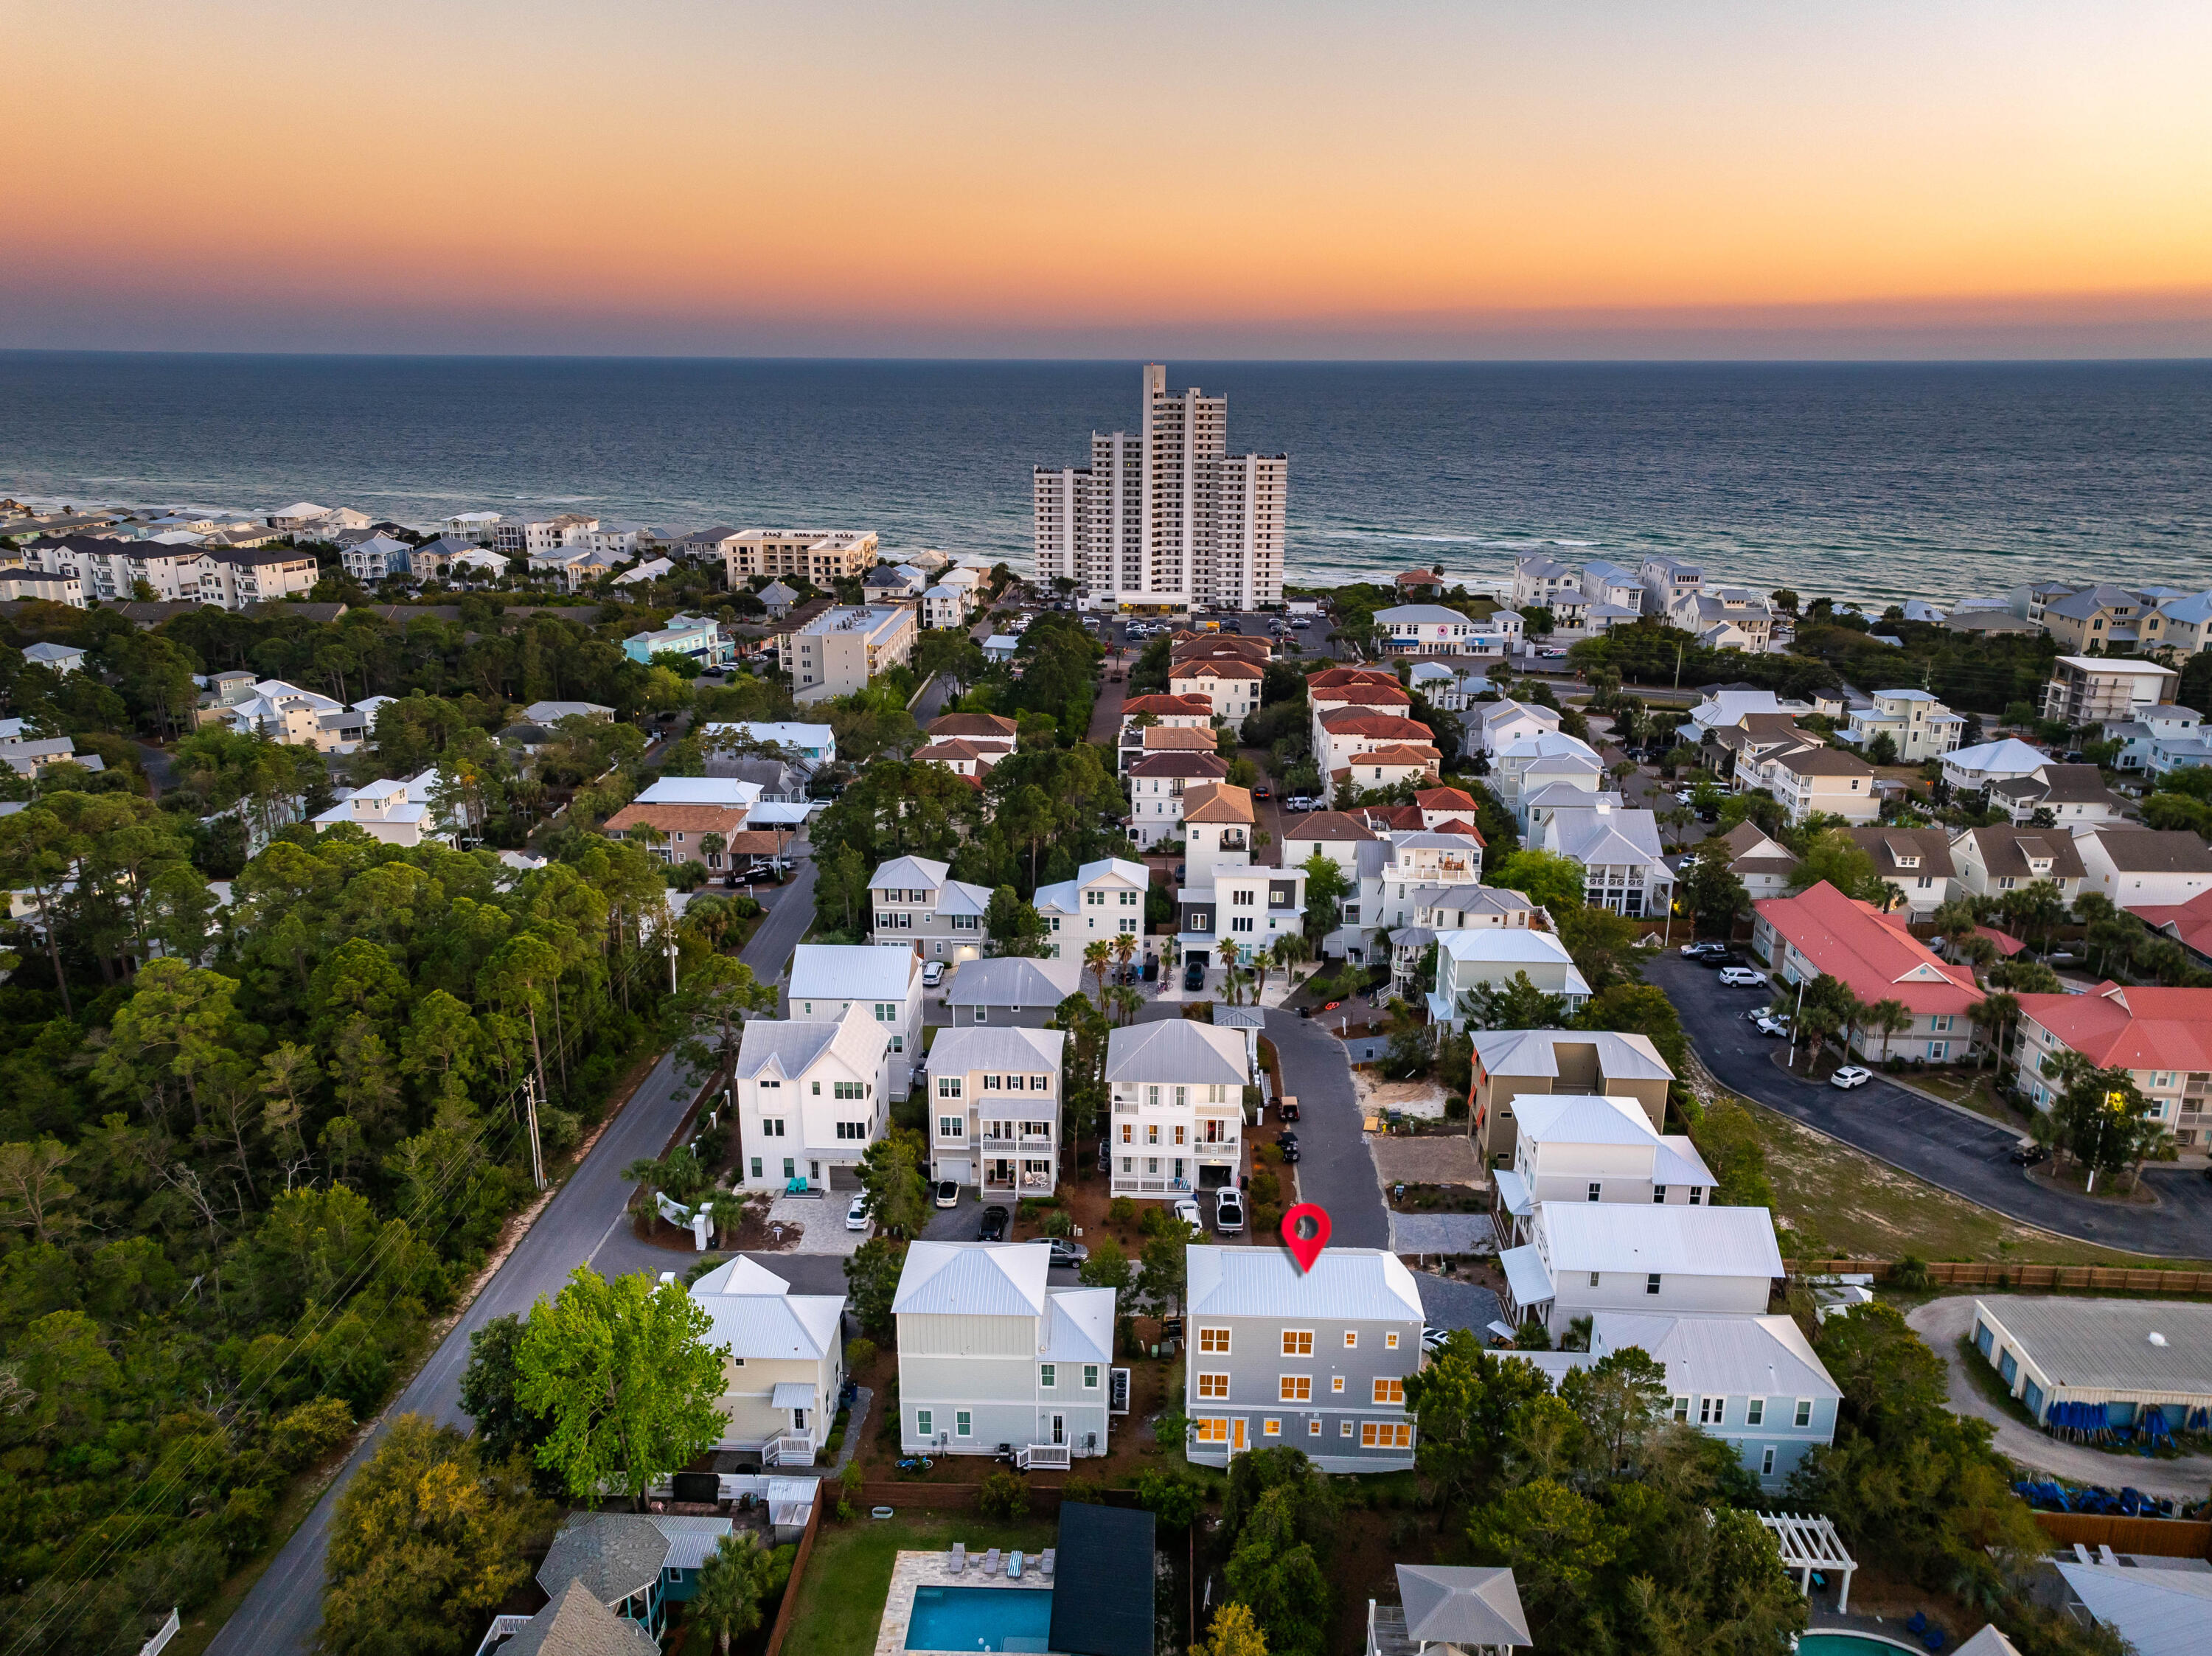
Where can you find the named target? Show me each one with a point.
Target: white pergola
(1809, 1544)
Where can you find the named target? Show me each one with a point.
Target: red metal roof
(2131, 1028)
(1871, 953)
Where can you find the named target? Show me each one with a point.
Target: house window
(1694, 1193)
(1298, 1342)
(1682, 1409)
(1295, 1388)
(1937, 1049)
(952, 1126)
(853, 1130)
(1336, 1384)
(1651, 1283)
(1597, 1194)
(1754, 1411)
(1313, 1427)
(1804, 1412)
(1049, 1374)
(1766, 1462)
(961, 1422)
(847, 1089)
(756, 1166)
(1091, 1377)
(1351, 1338)
(1213, 1339)
(1390, 1342)
(982, 1014)
(1390, 1391)
(1385, 1435)
(948, 1086)
(1271, 1428)
(1658, 1193)
(924, 1423)
(1710, 1411)
(1212, 1431)
(1593, 1279)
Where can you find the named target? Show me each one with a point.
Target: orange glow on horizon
(735, 172)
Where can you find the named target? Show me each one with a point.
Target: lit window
(1295, 1388)
(1390, 1391)
(1213, 1339)
(1297, 1343)
(1385, 1435)
(1271, 1428)
(1213, 1386)
(1212, 1431)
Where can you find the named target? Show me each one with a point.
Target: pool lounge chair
(956, 1560)
(1014, 1565)
(1045, 1563)
(990, 1562)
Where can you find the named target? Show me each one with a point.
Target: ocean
(1865, 482)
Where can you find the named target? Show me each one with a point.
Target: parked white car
(1187, 1210)
(1849, 1075)
(1229, 1213)
(1302, 801)
(856, 1216)
(932, 973)
(1743, 977)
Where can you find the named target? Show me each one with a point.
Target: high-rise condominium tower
(1169, 516)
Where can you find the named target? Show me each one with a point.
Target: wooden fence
(783, 1612)
(1953, 1273)
(2160, 1537)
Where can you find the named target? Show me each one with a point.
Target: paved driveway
(1943, 1323)
(1961, 1152)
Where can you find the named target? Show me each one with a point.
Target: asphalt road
(1963, 1153)
(582, 1224)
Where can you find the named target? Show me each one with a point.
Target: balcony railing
(1145, 1185)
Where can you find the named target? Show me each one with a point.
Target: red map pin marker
(1305, 1249)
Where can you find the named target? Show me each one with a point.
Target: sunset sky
(980, 178)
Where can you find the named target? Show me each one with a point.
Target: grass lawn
(1867, 1210)
(848, 1575)
(1977, 1092)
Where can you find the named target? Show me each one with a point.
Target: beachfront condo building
(1167, 517)
(820, 555)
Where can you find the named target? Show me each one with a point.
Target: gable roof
(1348, 721)
(1014, 980)
(2152, 851)
(1445, 799)
(971, 724)
(1228, 667)
(908, 873)
(2139, 1027)
(2006, 850)
(678, 818)
(1891, 847)
(1331, 677)
(957, 1050)
(1582, 1118)
(1350, 1282)
(2010, 756)
(1167, 706)
(1176, 738)
(1176, 1049)
(1662, 1238)
(1359, 695)
(756, 1316)
(972, 1279)
(1329, 825)
(854, 971)
(1185, 764)
(784, 1050)
(1871, 954)
(1763, 1355)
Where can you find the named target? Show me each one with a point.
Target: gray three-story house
(1316, 1359)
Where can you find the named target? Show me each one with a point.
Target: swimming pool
(1847, 1644)
(1014, 1619)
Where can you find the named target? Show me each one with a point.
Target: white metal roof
(1525, 1277)
(770, 1327)
(852, 971)
(972, 1279)
(1709, 1357)
(1649, 1236)
(1486, 945)
(1677, 1163)
(1079, 1324)
(2105, 1345)
(1353, 1283)
(787, 1050)
(1582, 1118)
(1015, 980)
(959, 1050)
(699, 791)
(1462, 1605)
(1534, 1052)
(2162, 1612)
(909, 874)
(1177, 1051)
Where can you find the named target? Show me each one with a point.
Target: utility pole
(537, 1151)
(1796, 1018)
(672, 964)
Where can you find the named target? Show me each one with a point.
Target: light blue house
(684, 635)
(637, 1566)
(1753, 1380)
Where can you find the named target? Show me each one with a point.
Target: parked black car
(1288, 1109)
(2028, 1156)
(1291, 1151)
(1718, 958)
(1193, 977)
(993, 1228)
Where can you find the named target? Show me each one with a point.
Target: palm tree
(1262, 959)
(714, 844)
(1995, 1013)
(1125, 949)
(727, 1604)
(1816, 1022)
(1291, 949)
(1096, 953)
(1891, 1017)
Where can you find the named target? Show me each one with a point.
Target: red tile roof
(1445, 799)
(1400, 753)
(1349, 722)
(2135, 1029)
(1161, 706)
(1228, 667)
(1870, 952)
(1330, 677)
(1360, 695)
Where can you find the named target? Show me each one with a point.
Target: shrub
(1120, 1211)
(1003, 1495)
(1266, 1190)
(858, 1355)
(1174, 1500)
(1085, 1492)
(1272, 1154)
(1909, 1273)
(1059, 1222)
